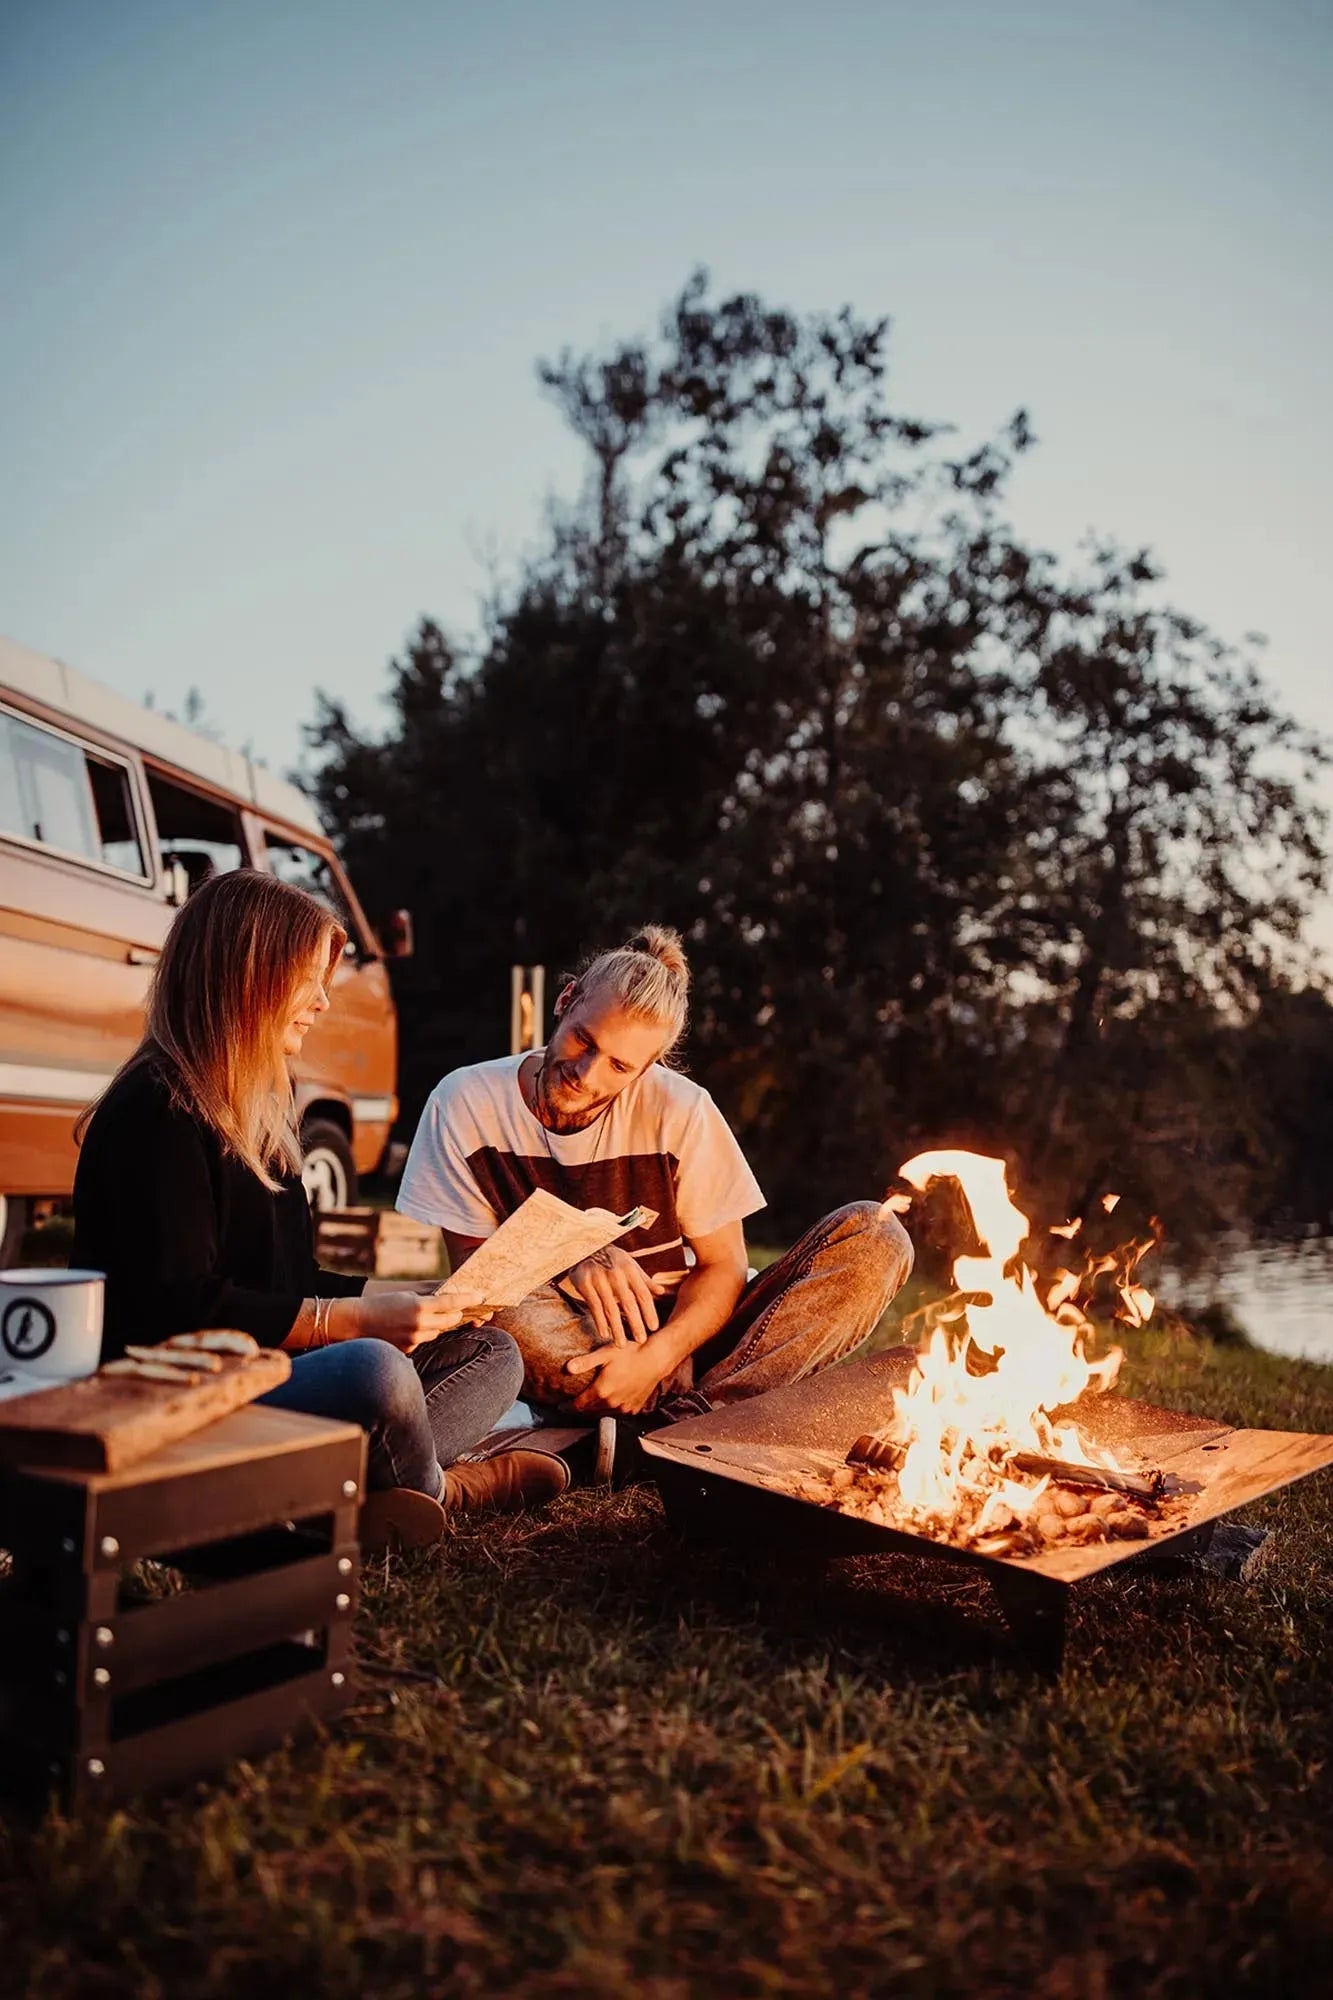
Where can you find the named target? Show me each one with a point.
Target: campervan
(110, 814)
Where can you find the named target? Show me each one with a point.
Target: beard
(551, 1116)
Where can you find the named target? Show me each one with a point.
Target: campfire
(993, 1444)
(978, 1452)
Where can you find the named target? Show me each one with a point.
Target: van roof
(84, 700)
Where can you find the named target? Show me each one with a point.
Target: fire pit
(996, 1444)
(760, 1474)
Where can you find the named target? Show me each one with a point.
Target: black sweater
(187, 1235)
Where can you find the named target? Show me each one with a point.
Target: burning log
(886, 1454)
(1142, 1486)
(881, 1452)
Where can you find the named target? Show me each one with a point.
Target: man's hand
(623, 1377)
(618, 1294)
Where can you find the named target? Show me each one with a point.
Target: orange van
(109, 815)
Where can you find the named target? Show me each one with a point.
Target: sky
(276, 277)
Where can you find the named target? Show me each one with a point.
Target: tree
(855, 908)
(1181, 855)
(969, 851)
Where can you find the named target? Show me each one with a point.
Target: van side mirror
(396, 934)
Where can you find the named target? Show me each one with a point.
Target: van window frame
(362, 946)
(149, 877)
(181, 780)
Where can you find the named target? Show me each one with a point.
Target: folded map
(542, 1238)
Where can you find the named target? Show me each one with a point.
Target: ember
(976, 1453)
(1071, 1505)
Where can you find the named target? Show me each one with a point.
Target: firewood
(876, 1450)
(1128, 1527)
(1144, 1486)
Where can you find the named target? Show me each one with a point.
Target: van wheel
(15, 1210)
(328, 1171)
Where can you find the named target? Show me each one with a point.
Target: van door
(82, 919)
(347, 1074)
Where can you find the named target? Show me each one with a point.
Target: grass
(587, 1760)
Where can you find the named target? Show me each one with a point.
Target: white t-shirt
(662, 1143)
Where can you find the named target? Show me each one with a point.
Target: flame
(997, 1364)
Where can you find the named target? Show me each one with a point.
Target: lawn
(586, 1760)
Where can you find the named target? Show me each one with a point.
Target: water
(1281, 1293)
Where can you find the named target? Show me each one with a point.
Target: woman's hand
(404, 1318)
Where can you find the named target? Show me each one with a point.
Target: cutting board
(106, 1422)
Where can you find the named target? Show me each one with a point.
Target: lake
(1282, 1293)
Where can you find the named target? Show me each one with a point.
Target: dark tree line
(969, 849)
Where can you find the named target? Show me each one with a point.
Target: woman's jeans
(422, 1411)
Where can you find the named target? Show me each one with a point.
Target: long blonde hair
(230, 972)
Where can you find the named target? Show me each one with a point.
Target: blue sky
(276, 277)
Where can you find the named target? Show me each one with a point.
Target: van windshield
(315, 873)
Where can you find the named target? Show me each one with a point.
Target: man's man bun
(666, 946)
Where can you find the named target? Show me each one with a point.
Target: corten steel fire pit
(745, 1475)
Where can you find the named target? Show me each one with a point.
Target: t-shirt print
(662, 1144)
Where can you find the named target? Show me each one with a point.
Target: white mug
(50, 1328)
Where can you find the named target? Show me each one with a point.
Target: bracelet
(320, 1336)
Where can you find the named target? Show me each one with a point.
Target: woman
(188, 1195)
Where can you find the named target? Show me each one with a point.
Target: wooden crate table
(106, 1689)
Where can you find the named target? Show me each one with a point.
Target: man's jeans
(422, 1411)
(809, 1309)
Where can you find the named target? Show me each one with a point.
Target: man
(598, 1119)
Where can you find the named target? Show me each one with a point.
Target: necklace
(535, 1110)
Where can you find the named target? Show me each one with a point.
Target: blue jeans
(421, 1410)
(811, 1308)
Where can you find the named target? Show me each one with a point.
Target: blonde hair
(649, 976)
(230, 972)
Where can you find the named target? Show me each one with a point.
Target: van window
(201, 833)
(69, 798)
(304, 869)
(117, 834)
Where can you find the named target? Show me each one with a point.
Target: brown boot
(509, 1481)
(398, 1517)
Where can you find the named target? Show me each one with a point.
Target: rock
(1228, 1549)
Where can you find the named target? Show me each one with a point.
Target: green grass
(586, 1760)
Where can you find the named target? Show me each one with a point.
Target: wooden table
(106, 1688)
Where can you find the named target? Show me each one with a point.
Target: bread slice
(178, 1357)
(218, 1340)
(152, 1371)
